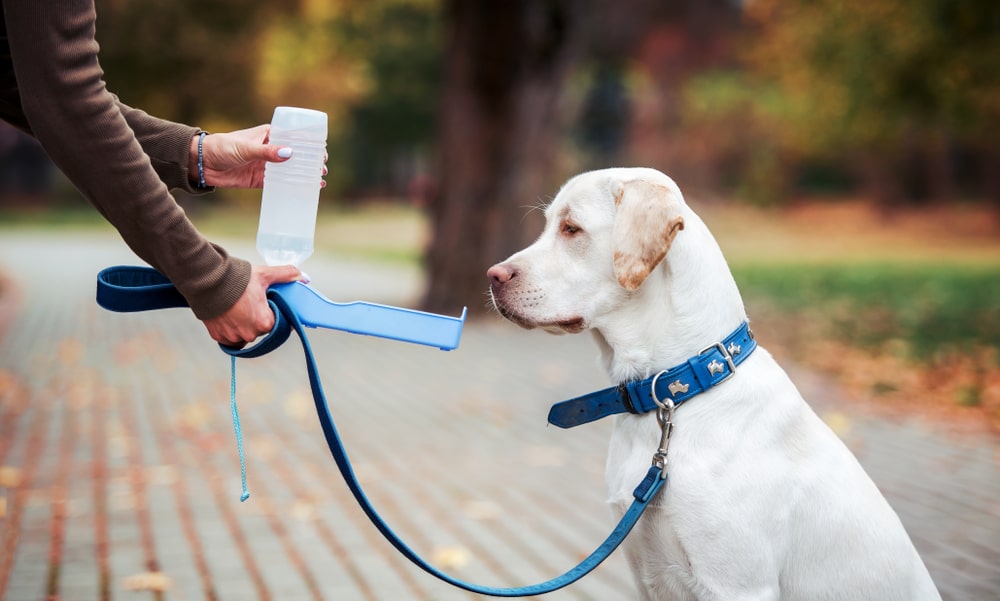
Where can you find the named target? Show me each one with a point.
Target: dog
(763, 500)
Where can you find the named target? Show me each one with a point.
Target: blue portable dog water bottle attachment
(316, 311)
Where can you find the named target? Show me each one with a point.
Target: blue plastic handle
(317, 311)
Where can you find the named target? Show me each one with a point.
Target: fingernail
(304, 277)
(284, 152)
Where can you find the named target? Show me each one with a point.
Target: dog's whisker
(539, 206)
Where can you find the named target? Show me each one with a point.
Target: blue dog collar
(714, 365)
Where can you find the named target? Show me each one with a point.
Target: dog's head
(605, 232)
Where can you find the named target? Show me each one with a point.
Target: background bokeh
(765, 99)
(857, 137)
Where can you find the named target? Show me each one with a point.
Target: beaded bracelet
(201, 162)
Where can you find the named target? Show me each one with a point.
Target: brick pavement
(119, 476)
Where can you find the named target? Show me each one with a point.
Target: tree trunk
(506, 63)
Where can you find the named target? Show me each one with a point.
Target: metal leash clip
(664, 415)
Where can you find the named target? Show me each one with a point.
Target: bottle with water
(291, 188)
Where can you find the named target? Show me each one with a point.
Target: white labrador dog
(763, 500)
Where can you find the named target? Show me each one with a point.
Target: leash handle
(127, 289)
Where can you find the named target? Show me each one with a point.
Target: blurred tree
(390, 131)
(600, 85)
(505, 66)
(373, 66)
(307, 58)
(604, 116)
(185, 60)
(899, 86)
(682, 40)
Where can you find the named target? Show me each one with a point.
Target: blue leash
(120, 291)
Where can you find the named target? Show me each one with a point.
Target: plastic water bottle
(291, 188)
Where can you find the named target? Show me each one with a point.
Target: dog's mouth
(570, 325)
(511, 315)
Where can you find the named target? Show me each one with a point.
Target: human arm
(79, 123)
(231, 160)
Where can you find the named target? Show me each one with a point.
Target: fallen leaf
(481, 509)
(69, 351)
(194, 416)
(303, 511)
(147, 581)
(451, 558)
(299, 404)
(162, 475)
(10, 477)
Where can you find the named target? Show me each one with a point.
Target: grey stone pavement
(119, 475)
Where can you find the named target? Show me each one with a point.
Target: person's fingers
(279, 274)
(265, 324)
(266, 152)
(224, 334)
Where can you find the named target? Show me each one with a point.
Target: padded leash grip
(129, 289)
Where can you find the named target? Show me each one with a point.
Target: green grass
(929, 307)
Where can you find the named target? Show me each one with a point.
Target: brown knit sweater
(120, 158)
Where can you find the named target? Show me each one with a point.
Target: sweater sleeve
(166, 143)
(84, 131)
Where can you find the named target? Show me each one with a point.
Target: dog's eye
(570, 229)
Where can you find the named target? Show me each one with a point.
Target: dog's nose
(501, 274)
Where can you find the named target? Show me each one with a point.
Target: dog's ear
(647, 217)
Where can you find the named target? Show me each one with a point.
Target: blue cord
(236, 426)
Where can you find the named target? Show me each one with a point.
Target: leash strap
(127, 291)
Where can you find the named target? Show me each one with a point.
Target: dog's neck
(687, 303)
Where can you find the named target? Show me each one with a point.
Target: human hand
(236, 159)
(251, 316)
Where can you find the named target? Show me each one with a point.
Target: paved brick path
(119, 476)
